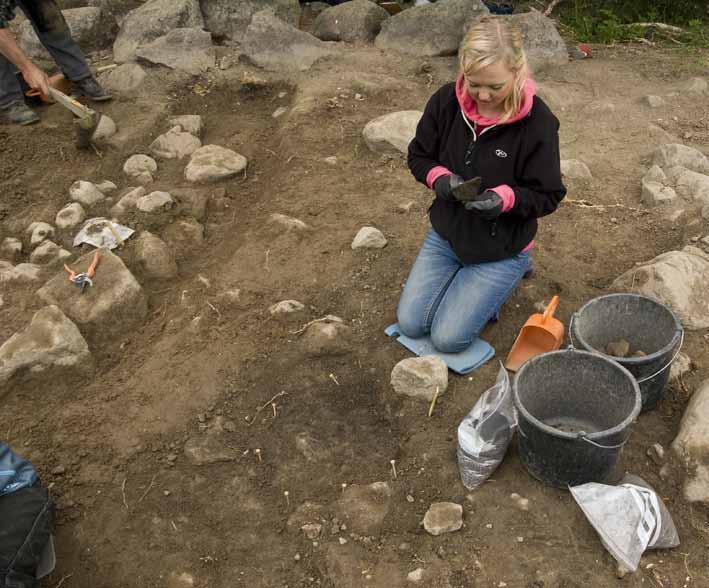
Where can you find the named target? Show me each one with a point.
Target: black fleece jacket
(523, 155)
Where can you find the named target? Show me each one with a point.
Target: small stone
(420, 377)
(619, 348)
(185, 236)
(574, 169)
(189, 123)
(105, 129)
(332, 160)
(172, 457)
(140, 168)
(154, 202)
(154, 256)
(49, 253)
(286, 307)
(212, 163)
(311, 530)
(696, 86)
(40, 232)
(369, 238)
(653, 101)
(11, 248)
(488, 526)
(655, 174)
(183, 580)
(209, 449)
(85, 193)
(656, 452)
(342, 540)
(520, 539)
(288, 222)
(280, 111)
(443, 517)
(392, 133)
(521, 503)
(70, 216)
(416, 576)
(23, 272)
(58, 470)
(621, 571)
(296, 557)
(107, 187)
(175, 144)
(681, 365)
(405, 207)
(127, 201)
(410, 498)
(655, 194)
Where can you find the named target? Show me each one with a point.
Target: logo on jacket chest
(500, 153)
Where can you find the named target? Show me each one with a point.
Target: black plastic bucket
(576, 410)
(648, 325)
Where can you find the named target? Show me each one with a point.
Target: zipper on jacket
(493, 228)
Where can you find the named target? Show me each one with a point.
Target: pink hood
(470, 107)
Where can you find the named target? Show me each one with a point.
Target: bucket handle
(583, 437)
(646, 378)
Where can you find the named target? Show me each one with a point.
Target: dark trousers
(53, 32)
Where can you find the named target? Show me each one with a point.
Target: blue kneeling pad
(464, 362)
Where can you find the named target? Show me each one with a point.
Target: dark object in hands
(444, 186)
(488, 205)
(468, 190)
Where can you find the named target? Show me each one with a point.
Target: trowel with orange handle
(540, 334)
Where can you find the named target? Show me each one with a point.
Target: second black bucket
(576, 410)
(646, 324)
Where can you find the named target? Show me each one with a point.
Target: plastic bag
(629, 518)
(15, 472)
(486, 432)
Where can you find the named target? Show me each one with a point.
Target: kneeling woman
(488, 124)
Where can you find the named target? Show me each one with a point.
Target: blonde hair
(489, 41)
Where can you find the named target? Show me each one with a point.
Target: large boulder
(154, 19)
(184, 49)
(679, 279)
(175, 144)
(230, 18)
(430, 30)
(124, 79)
(275, 45)
(692, 444)
(212, 163)
(50, 340)
(392, 133)
(87, 27)
(113, 306)
(420, 377)
(358, 20)
(677, 155)
(542, 42)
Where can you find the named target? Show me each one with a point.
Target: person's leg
(474, 296)
(10, 90)
(53, 32)
(432, 272)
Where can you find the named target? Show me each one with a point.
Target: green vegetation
(612, 21)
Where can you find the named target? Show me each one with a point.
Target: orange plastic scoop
(540, 334)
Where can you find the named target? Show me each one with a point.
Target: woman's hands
(444, 185)
(488, 205)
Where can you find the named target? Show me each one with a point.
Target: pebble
(621, 571)
(59, 470)
(657, 453)
(296, 557)
(342, 540)
(522, 503)
(409, 498)
(415, 576)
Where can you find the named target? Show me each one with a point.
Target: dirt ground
(132, 511)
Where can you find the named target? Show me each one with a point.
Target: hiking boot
(19, 113)
(90, 88)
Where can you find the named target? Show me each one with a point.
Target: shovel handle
(550, 309)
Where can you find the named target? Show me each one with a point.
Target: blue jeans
(53, 32)
(453, 302)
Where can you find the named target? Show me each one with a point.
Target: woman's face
(490, 85)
